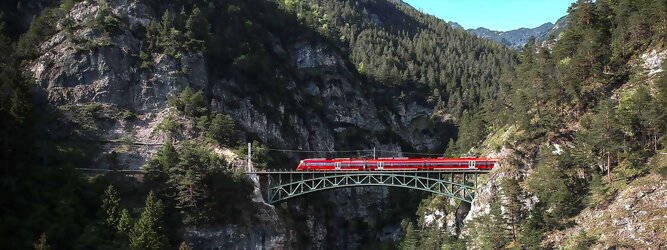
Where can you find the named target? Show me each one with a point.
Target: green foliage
(452, 149)
(189, 102)
(659, 164)
(169, 124)
(661, 103)
(223, 130)
(260, 157)
(44, 195)
(580, 241)
(453, 243)
(513, 195)
(111, 207)
(197, 27)
(491, 230)
(548, 183)
(410, 239)
(41, 28)
(148, 232)
(66, 5)
(602, 133)
(532, 231)
(194, 164)
(128, 115)
(432, 238)
(106, 20)
(471, 131)
(124, 223)
(597, 192)
(536, 97)
(173, 36)
(196, 179)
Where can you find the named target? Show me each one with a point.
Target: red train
(388, 164)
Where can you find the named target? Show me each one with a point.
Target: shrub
(189, 102)
(222, 129)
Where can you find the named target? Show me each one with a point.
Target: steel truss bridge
(283, 185)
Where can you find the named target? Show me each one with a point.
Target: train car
(395, 164)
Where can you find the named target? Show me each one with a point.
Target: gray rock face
(356, 206)
(327, 102)
(108, 70)
(265, 234)
(545, 34)
(635, 219)
(309, 56)
(514, 38)
(265, 230)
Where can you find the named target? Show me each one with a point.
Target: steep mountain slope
(310, 78)
(515, 39)
(149, 84)
(546, 34)
(583, 143)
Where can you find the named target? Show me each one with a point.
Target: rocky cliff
(635, 218)
(545, 34)
(81, 66)
(632, 217)
(104, 90)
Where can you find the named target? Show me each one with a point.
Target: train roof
(401, 158)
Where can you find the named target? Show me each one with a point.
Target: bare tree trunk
(609, 167)
(513, 228)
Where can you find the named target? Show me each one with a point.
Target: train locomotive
(396, 164)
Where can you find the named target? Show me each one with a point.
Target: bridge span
(282, 185)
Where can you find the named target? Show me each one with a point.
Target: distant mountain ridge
(517, 38)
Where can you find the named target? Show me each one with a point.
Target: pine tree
(124, 223)
(606, 133)
(513, 195)
(452, 150)
(531, 232)
(661, 103)
(163, 161)
(649, 117)
(160, 168)
(432, 238)
(197, 26)
(166, 24)
(222, 130)
(471, 131)
(547, 182)
(191, 196)
(410, 239)
(111, 207)
(148, 232)
(492, 232)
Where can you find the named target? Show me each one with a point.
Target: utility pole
(249, 157)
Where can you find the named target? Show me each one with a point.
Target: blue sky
(500, 15)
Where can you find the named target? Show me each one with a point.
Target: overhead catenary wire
(350, 151)
(317, 151)
(409, 153)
